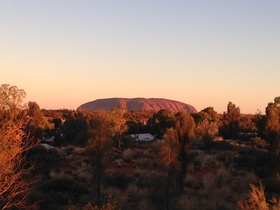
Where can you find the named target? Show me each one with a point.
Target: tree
(169, 158)
(14, 144)
(272, 130)
(99, 144)
(76, 128)
(207, 123)
(120, 126)
(11, 97)
(160, 122)
(231, 121)
(37, 123)
(184, 127)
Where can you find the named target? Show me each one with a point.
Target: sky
(204, 53)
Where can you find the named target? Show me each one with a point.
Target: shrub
(128, 155)
(257, 200)
(63, 185)
(258, 142)
(118, 180)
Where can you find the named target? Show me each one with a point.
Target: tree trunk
(98, 176)
(167, 191)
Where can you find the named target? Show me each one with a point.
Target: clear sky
(64, 53)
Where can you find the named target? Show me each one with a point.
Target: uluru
(137, 104)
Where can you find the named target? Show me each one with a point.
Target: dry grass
(128, 155)
(219, 186)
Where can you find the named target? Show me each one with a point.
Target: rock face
(136, 104)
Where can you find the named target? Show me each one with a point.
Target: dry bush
(258, 142)
(119, 162)
(14, 145)
(106, 206)
(258, 201)
(215, 191)
(156, 145)
(143, 163)
(128, 155)
(79, 151)
(204, 160)
(115, 193)
(191, 184)
(194, 203)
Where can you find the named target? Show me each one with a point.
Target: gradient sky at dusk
(205, 53)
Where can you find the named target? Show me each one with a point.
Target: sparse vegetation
(94, 156)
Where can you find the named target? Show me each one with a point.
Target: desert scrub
(257, 200)
(79, 151)
(119, 162)
(118, 180)
(144, 163)
(258, 142)
(192, 183)
(128, 155)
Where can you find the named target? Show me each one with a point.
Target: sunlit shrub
(257, 200)
(258, 142)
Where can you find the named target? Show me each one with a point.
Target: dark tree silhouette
(272, 131)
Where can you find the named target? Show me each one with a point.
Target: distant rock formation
(137, 104)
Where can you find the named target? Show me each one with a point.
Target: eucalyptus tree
(272, 130)
(120, 126)
(169, 158)
(161, 122)
(37, 123)
(184, 126)
(207, 123)
(99, 144)
(14, 144)
(231, 121)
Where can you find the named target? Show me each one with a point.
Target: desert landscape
(137, 159)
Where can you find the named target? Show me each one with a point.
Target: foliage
(272, 130)
(37, 123)
(14, 144)
(169, 157)
(109, 205)
(258, 201)
(39, 156)
(120, 126)
(184, 126)
(128, 155)
(207, 123)
(248, 123)
(100, 143)
(75, 128)
(11, 98)
(160, 122)
(231, 121)
(258, 142)
(169, 151)
(119, 180)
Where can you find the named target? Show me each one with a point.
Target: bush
(63, 185)
(128, 155)
(118, 180)
(257, 200)
(258, 142)
(43, 159)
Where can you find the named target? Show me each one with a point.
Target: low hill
(137, 104)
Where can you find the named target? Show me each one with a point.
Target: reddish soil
(127, 169)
